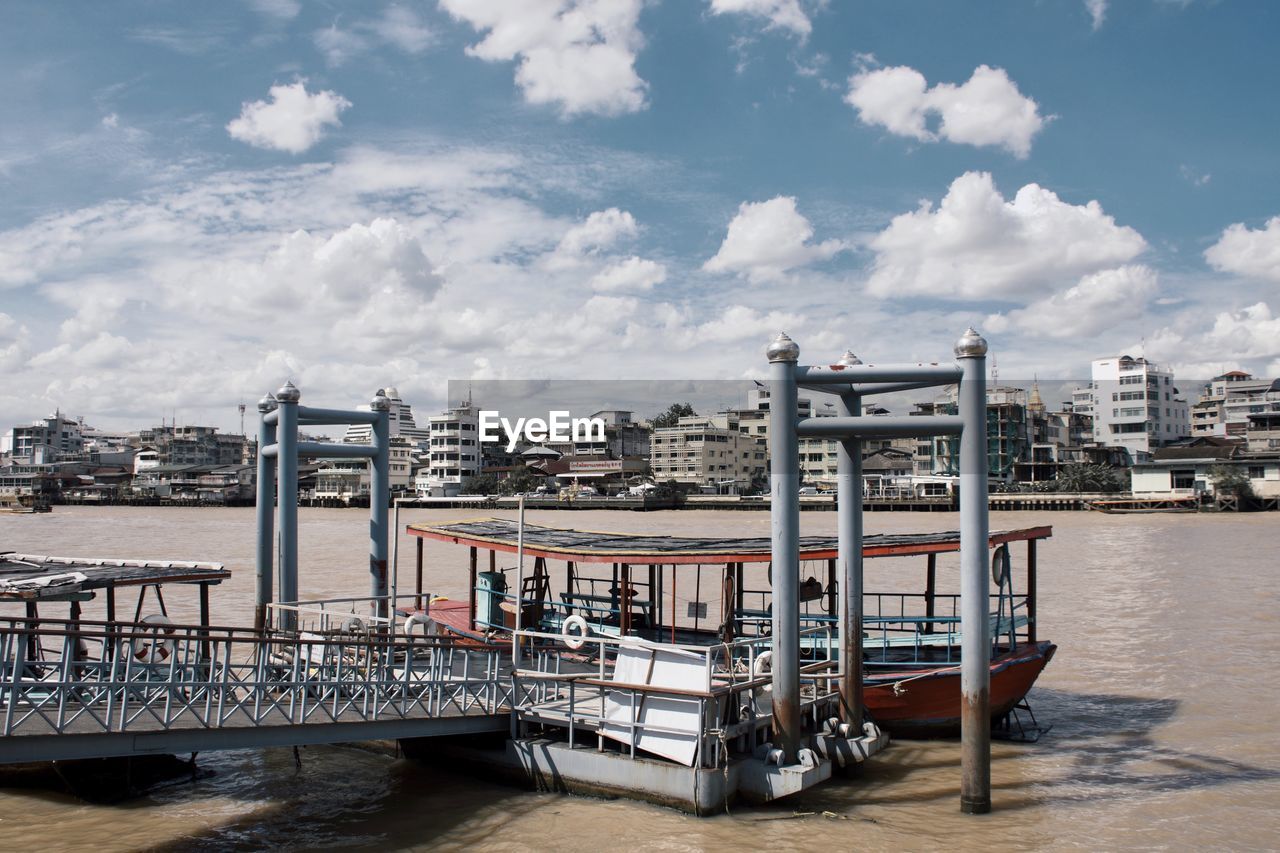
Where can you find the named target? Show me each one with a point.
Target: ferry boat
(662, 588)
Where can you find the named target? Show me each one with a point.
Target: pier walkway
(76, 689)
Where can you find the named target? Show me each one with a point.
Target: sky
(201, 201)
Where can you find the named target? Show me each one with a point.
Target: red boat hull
(927, 704)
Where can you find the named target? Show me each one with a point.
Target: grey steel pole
(287, 471)
(849, 558)
(515, 633)
(784, 477)
(266, 504)
(975, 643)
(379, 499)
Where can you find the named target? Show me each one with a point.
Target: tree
(1230, 480)
(672, 415)
(485, 484)
(1082, 477)
(522, 480)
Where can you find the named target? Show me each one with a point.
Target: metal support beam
(929, 374)
(266, 504)
(313, 417)
(975, 643)
(379, 499)
(287, 487)
(304, 449)
(849, 560)
(887, 426)
(784, 481)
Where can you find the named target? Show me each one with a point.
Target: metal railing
(95, 677)
(734, 712)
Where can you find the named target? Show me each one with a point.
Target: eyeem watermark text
(558, 427)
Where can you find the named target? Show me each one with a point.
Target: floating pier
(585, 707)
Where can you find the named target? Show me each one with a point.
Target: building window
(1184, 479)
(1255, 472)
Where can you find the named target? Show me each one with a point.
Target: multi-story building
(708, 452)
(1135, 405)
(45, 441)
(1227, 402)
(1007, 434)
(188, 445)
(402, 423)
(453, 456)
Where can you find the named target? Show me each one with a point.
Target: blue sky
(202, 200)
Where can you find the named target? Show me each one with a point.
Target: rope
(897, 685)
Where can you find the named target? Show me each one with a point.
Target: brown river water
(1163, 699)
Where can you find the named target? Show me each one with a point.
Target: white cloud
(1096, 303)
(631, 274)
(1246, 338)
(988, 109)
(1097, 11)
(1194, 177)
(742, 323)
(397, 26)
(768, 238)
(293, 120)
(781, 14)
(1254, 254)
(977, 245)
(334, 272)
(284, 10)
(578, 55)
(401, 27)
(599, 231)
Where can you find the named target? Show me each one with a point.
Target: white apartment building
(1227, 401)
(707, 451)
(1135, 405)
(453, 452)
(402, 423)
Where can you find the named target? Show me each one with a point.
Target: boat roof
(28, 577)
(589, 546)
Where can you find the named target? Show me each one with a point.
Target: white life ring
(572, 640)
(159, 649)
(763, 665)
(427, 624)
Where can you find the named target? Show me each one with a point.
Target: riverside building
(1135, 405)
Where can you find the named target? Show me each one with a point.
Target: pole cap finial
(381, 402)
(783, 349)
(971, 344)
(267, 404)
(288, 393)
(849, 359)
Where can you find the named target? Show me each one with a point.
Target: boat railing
(730, 710)
(112, 677)
(902, 638)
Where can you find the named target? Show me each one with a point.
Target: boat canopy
(32, 577)
(588, 546)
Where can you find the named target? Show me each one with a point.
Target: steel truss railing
(61, 677)
(734, 717)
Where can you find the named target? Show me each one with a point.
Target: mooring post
(975, 643)
(784, 483)
(266, 505)
(287, 474)
(849, 557)
(515, 633)
(379, 498)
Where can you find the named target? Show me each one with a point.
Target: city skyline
(203, 204)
